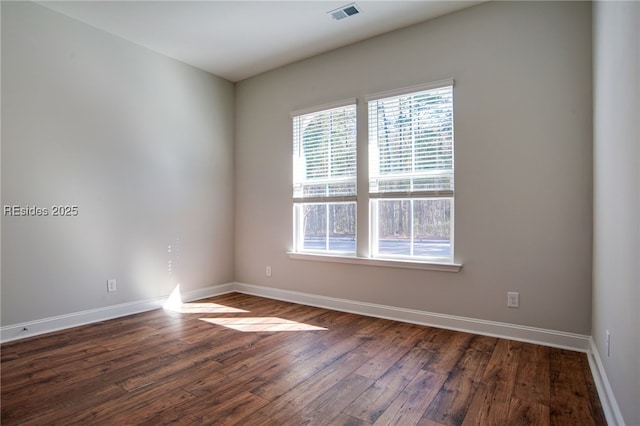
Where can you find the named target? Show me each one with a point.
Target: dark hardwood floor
(239, 359)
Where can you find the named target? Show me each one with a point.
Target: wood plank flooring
(239, 359)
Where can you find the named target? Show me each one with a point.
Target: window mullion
(411, 230)
(327, 216)
(363, 205)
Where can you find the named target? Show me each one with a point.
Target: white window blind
(411, 144)
(324, 155)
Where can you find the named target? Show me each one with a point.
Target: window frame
(364, 254)
(326, 200)
(410, 194)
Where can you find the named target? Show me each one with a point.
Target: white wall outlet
(608, 342)
(267, 272)
(513, 299)
(111, 285)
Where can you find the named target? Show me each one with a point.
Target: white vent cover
(344, 11)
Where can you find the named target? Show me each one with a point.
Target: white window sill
(407, 264)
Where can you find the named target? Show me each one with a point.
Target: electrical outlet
(111, 286)
(513, 299)
(268, 271)
(608, 342)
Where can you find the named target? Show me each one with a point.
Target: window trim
(409, 89)
(330, 105)
(380, 262)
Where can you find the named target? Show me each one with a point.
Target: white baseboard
(203, 293)
(546, 337)
(553, 338)
(607, 398)
(61, 322)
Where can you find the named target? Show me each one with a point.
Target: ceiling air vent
(344, 11)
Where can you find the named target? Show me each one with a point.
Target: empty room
(320, 212)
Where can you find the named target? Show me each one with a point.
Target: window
(411, 180)
(324, 180)
(410, 168)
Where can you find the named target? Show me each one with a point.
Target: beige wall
(142, 144)
(523, 163)
(616, 256)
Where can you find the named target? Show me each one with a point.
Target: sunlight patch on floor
(253, 324)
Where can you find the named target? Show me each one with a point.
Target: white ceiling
(238, 39)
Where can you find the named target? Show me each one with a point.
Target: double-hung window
(411, 179)
(324, 180)
(410, 170)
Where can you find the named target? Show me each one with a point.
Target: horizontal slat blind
(411, 144)
(324, 155)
